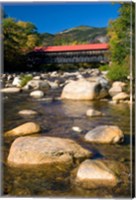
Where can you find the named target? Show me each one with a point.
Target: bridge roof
(80, 47)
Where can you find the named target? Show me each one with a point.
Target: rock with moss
(25, 79)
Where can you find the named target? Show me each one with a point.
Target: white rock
(16, 82)
(27, 112)
(76, 129)
(37, 94)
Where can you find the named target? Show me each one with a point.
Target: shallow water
(57, 119)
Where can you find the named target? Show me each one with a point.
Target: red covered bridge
(83, 53)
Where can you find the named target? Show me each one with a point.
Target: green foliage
(19, 38)
(25, 79)
(119, 33)
(118, 72)
(104, 67)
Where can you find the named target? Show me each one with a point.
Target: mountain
(75, 35)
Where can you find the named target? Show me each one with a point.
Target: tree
(119, 32)
(19, 38)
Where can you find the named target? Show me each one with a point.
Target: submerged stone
(93, 113)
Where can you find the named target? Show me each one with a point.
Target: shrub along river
(57, 118)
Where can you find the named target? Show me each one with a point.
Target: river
(57, 118)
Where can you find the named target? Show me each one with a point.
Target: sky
(56, 17)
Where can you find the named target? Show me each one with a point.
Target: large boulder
(105, 134)
(24, 129)
(38, 84)
(95, 174)
(45, 150)
(10, 90)
(83, 90)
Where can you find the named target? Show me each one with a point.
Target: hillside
(76, 35)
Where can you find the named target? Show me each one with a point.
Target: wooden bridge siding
(67, 57)
(73, 59)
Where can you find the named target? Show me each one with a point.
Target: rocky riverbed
(66, 135)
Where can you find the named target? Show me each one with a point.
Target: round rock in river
(45, 150)
(83, 90)
(105, 134)
(37, 94)
(24, 129)
(95, 174)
